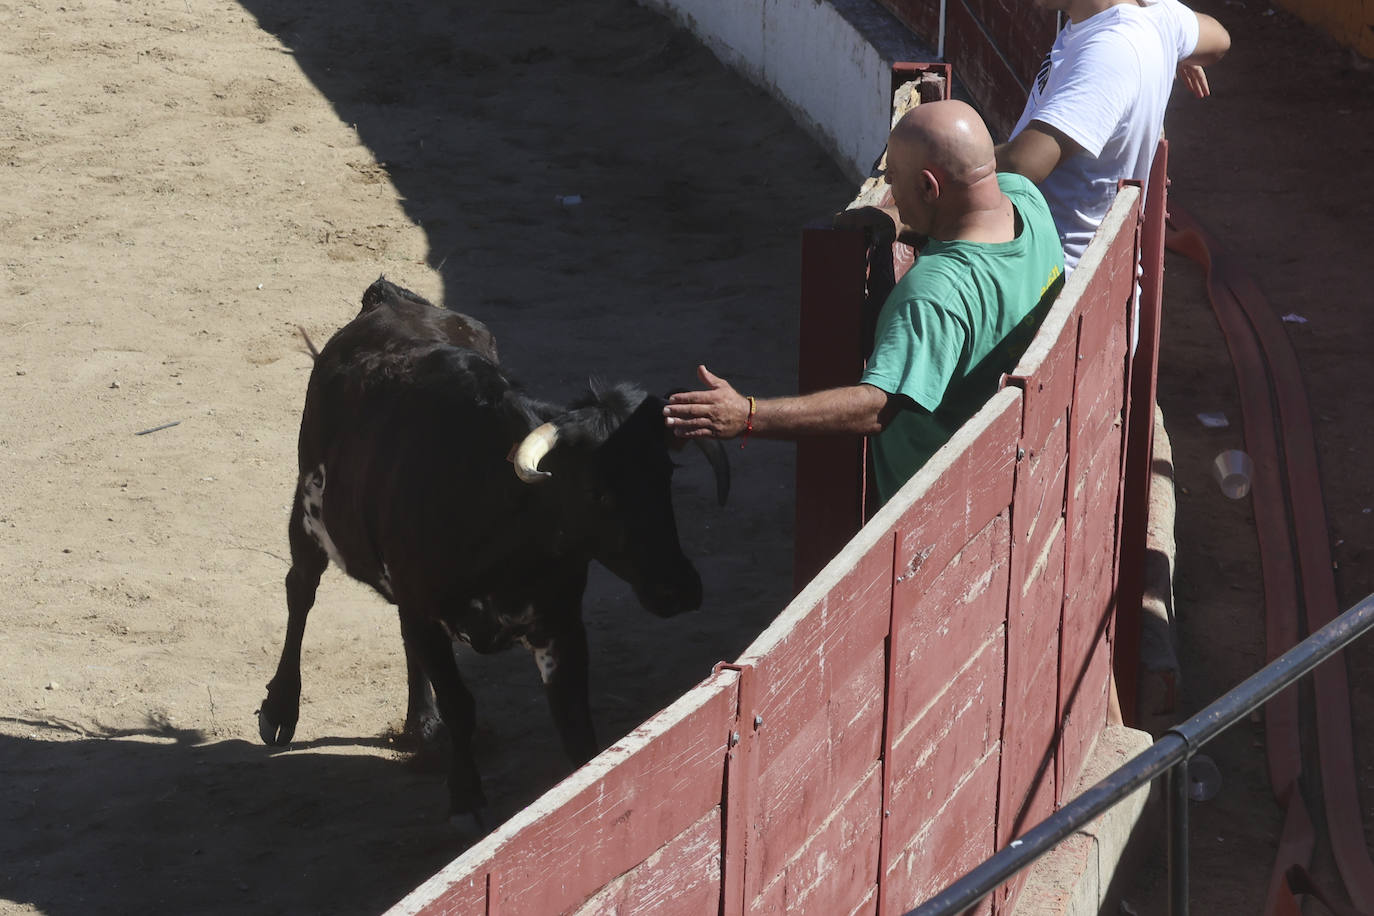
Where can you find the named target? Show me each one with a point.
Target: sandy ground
(186, 181)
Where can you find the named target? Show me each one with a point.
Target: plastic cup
(1232, 470)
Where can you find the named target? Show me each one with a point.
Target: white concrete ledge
(829, 62)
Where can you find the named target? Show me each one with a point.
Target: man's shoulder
(1025, 196)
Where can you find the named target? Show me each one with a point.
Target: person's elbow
(1212, 43)
(1035, 152)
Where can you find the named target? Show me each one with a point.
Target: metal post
(1177, 785)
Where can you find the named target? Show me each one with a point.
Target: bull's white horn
(532, 450)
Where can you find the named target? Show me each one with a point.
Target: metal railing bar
(1172, 748)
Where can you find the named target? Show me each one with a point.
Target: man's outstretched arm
(721, 412)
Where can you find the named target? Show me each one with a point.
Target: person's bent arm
(721, 412)
(1213, 41)
(1036, 151)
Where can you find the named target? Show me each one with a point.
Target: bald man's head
(941, 167)
(946, 137)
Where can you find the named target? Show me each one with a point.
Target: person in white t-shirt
(1096, 110)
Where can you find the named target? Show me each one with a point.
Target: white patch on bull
(547, 662)
(312, 502)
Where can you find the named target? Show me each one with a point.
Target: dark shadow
(331, 832)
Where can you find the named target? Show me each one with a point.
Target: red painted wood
(651, 796)
(681, 879)
(829, 470)
(972, 491)
(808, 779)
(1022, 33)
(465, 897)
(939, 628)
(741, 779)
(933, 757)
(957, 836)
(822, 646)
(838, 866)
(868, 906)
(1140, 427)
(984, 70)
(1083, 713)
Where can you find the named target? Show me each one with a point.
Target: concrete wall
(828, 61)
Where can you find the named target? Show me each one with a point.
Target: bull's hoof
(273, 733)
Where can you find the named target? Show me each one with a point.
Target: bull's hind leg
(427, 638)
(279, 712)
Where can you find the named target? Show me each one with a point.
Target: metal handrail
(1166, 757)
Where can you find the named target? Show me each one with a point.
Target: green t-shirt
(963, 315)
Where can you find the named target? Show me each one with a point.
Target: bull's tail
(314, 354)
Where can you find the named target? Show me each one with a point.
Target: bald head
(946, 137)
(942, 170)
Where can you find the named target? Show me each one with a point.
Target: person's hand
(719, 412)
(876, 222)
(1195, 78)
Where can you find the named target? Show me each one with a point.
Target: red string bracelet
(748, 424)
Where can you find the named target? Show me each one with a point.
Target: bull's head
(610, 460)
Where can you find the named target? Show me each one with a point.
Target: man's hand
(1195, 78)
(719, 412)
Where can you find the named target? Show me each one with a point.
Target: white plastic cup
(1232, 470)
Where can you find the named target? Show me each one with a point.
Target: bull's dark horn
(532, 450)
(715, 453)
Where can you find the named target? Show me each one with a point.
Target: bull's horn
(715, 454)
(532, 451)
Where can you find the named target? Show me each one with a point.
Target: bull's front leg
(560, 651)
(431, 645)
(280, 710)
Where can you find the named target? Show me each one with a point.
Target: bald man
(960, 317)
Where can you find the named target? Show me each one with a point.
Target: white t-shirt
(1105, 84)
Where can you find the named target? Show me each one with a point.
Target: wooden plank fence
(927, 696)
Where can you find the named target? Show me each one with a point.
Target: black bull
(430, 476)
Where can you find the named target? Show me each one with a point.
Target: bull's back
(406, 440)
